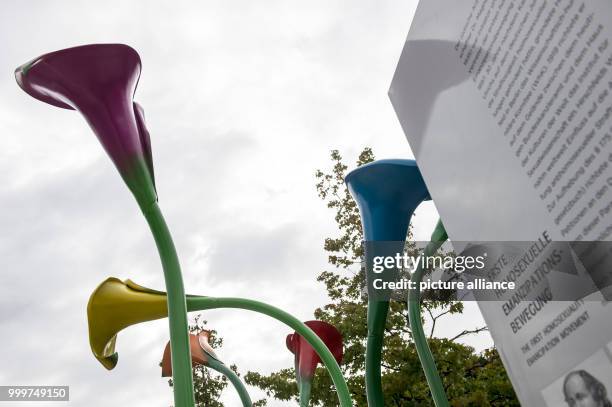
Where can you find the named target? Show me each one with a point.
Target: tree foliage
(470, 378)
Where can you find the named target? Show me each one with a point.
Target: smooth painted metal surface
(387, 193)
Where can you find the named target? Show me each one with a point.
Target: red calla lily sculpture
(306, 359)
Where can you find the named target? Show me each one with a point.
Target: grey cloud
(255, 254)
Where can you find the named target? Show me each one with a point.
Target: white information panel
(507, 106)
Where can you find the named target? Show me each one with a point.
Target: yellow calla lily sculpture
(114, 305)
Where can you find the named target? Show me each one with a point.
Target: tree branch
(435, 319)
(386, 366)
(469, 332)
(433, 322)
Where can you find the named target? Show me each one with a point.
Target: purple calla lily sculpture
(99, 81)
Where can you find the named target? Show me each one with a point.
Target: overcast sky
(244, 100)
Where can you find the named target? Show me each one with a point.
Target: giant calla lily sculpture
(306, 359)
(387, 193)
(99, 81)
(203, 354)
(115, 305)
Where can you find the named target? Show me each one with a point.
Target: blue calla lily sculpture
(387, 193)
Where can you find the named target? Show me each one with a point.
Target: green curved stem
(377, 319)
(305, 386)
(204, 303)
(414, 313)
(177, 309)
(233, 377)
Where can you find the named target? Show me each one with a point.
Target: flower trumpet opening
(115, 305)
(204, 341)
(201, 353)
(99, 81)
(306, 359)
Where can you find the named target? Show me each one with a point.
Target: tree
(470, 379)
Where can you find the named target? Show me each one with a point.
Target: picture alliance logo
(403, 261)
